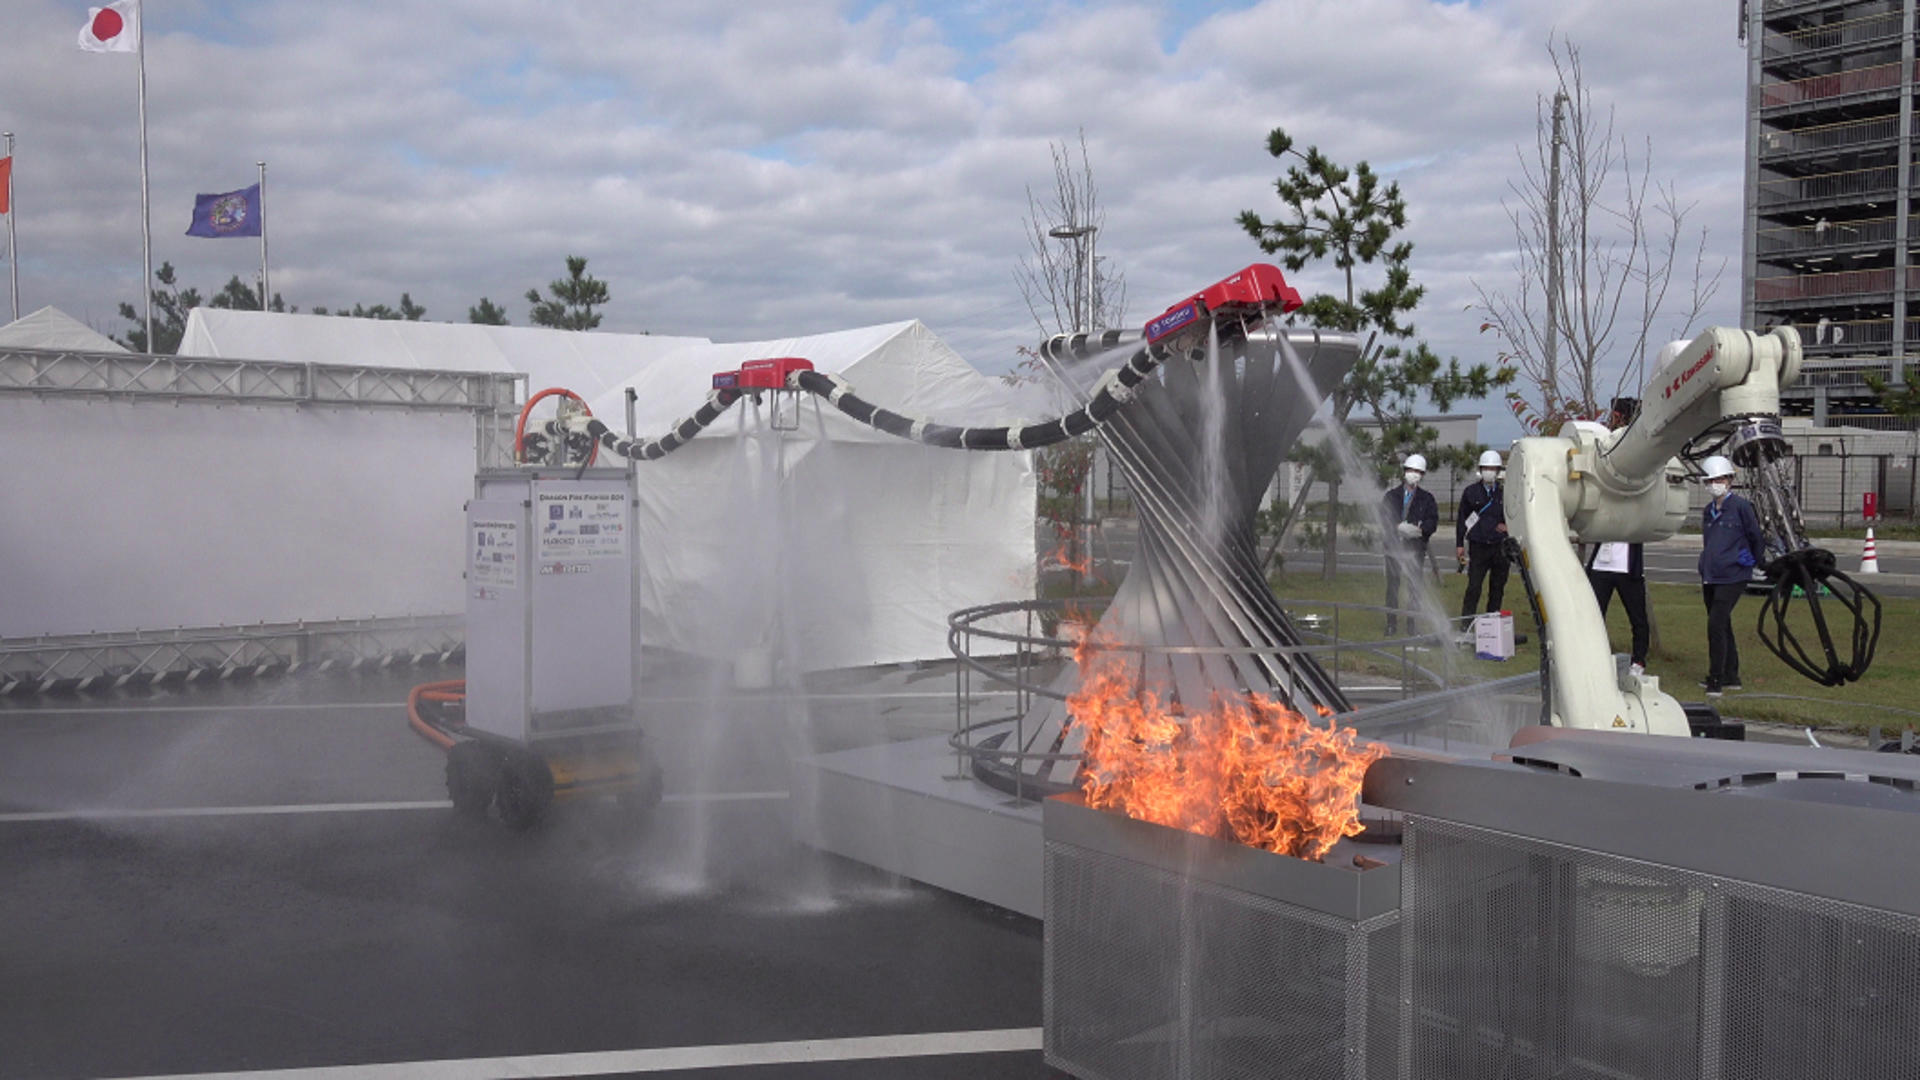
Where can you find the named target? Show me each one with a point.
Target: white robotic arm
(1593, 485)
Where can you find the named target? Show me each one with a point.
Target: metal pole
(633, 399)
(1085, 250)
(1093, 279)
(1902, 212)
(13, 214)
(1087, 576)
(265, 292)
(146, 217)
(1553, 256)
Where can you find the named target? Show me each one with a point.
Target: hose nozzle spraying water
(1234, 306)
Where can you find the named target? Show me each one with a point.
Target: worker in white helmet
(1732, 543)
(1480, 536)
(1409, 516)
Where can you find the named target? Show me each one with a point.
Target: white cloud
(774, 168)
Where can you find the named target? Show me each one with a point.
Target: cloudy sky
(760, 169)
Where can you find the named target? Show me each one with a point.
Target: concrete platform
(904, 808)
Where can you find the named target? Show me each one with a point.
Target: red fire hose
(520, 426)
(448, 692)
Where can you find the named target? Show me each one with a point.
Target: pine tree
(574, 298)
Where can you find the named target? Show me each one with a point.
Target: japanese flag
(114, 28)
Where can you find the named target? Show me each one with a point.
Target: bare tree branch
(1049, 276)
(1619, 237)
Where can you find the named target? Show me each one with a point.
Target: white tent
(584, 363)
(829, 546)
(828, 543)
(51, 328)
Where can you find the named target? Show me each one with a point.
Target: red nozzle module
(769, 374)
(1249, 296)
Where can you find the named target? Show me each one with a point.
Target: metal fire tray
(1175, 955)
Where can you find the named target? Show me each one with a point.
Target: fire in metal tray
(1250, 769)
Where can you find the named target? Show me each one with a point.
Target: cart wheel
(647, 791)
(525, 791)
(471, 775)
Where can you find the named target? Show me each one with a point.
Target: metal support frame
(1903, 227)
(1198, 447)
(194, 378)
(141, 658)
(491, 396)
(117, 659)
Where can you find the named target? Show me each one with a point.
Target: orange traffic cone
(1869, 562)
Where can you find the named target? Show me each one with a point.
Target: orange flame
(1248, 770)
(1060, 558)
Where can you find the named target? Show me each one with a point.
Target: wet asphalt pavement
(276, 884)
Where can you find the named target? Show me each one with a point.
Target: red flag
(6, 183)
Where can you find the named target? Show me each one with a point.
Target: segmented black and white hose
(718, 401)
(1115, 389)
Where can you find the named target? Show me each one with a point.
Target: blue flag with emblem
(230, 213)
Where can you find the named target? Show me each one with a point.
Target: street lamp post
(1083, 301)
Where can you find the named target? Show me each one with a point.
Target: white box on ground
(1493, 636)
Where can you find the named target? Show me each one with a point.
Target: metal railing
(1782, 190)
(1786, 239)
(1831, 136)
(1823, 87)
(139, 658)
(1829, 286)
(1831, 35)
(1829, 486)
(1784, 7)
(1025, 660)
(1847, 335)
(1851, 375)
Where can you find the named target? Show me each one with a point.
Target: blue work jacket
(1726, 533)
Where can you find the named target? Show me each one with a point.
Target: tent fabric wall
(832, 545)
(151, 516)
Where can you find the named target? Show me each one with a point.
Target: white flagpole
(146, 217)
(13, 212)
(264, 293)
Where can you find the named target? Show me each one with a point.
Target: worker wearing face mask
(1480, 536)
(1409, 516)
(1731, 545)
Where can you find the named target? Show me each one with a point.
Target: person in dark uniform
(1731, 544)
(1408, 516)
(1480, 537)
(1620, 567)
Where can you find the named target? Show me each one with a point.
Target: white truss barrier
(174, 514)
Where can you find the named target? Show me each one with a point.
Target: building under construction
(1830, 126)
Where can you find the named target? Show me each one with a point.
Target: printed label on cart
(582, 526)
(496, 561)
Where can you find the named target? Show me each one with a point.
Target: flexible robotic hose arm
(719, 400)
(1234, 305)
(1115, 389)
